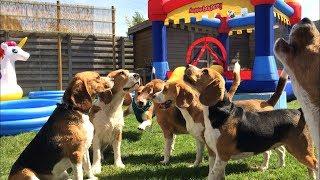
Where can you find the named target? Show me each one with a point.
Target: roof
(147, 24)
(139, 27)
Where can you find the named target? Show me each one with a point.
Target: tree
(136, 19)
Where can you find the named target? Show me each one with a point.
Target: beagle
(251, 104)
(301, 59)
(169, 119)
(232, 131)
(64, 140)
(181, 96)
(187, 101)
(143, 113)
(107, 117)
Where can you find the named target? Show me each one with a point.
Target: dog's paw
(141, 128)
(216, 176)
(63, 176)
(96, 169)
(164, 161)
(259, 168)
(195, 164)
(120, 165)
(263, 168)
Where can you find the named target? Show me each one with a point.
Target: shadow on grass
(167, 171)
(132, 136)
(148, 159)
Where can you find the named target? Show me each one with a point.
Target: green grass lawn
(142, 152)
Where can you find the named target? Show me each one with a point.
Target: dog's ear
(184, 98)
(106, 97)
(78, 95)
(127, 99)
(212, 93)
(283, 49)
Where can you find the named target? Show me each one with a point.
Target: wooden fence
(79, 53)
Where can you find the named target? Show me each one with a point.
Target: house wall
(178, 41)
(142, 48)
(242, 46)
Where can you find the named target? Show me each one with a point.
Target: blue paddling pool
(46, 95)
(20, 126)
(24, 115)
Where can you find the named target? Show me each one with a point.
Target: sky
(126, 8)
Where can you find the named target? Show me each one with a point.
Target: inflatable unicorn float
(9, 53)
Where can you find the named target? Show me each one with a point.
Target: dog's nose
(187, 66)
(153, 96)
(140, 103)
(306, 21)
(136, 76)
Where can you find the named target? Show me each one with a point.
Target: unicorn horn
(22, 42)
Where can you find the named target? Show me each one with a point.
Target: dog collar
(220, 112)
(143, 108)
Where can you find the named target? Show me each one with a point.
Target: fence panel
(79, 53)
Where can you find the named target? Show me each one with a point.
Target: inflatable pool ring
(46, 95)
(20, 126)
(25, 115)
(9, 53)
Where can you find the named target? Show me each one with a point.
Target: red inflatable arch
(206, 45)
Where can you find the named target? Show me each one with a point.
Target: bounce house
(226, 16)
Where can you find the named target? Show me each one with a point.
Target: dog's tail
(236, 80)
(281, 85)
(153, 73)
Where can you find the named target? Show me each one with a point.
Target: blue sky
(126, 8)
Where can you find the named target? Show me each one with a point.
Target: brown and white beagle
(64, 140)
(187, 101)
(181, 96)
(143, 113)
(301, 59)
(232, 131)
(107, 117)
(250, 105)
(169, 119)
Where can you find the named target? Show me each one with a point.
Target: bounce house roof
(242, 11)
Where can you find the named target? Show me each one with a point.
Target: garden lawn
(142, 153)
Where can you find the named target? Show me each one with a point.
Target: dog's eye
(98, 77)
(121, 73)
(14, 51)
(205, 71)
(165, 89)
